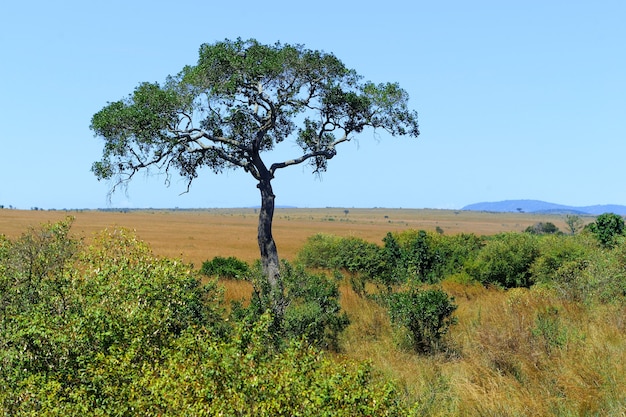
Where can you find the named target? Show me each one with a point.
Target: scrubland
(534, 351)
(521, 352)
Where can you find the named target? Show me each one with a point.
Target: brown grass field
(198, 235)
(513, 353)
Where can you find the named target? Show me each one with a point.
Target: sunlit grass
(517, 352)
(236, 290)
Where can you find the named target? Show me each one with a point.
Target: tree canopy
(241, 99)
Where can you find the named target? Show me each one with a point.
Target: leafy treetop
(241, 99)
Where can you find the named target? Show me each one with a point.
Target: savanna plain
(512, 352)
(198, 235)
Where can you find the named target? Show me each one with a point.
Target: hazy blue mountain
(537, 206)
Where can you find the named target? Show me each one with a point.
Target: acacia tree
(237, 103)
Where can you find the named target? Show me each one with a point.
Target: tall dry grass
(513, 353)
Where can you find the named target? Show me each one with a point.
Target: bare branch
(328, 152)
(223, 154)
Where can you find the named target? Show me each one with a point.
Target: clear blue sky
(516, 100)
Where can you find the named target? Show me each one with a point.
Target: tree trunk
(267, 246)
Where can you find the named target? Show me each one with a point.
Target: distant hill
(542, 207)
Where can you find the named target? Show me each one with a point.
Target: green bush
(201, 375)
(362, 260)
(426, 314)
(607, 227)
(420, 257)
(111, 329)
(319, 251)
(36, 265)
(541, 228)
(555, 253)
(580, 270)
(425, 256)
(392, 270)
(78, 327)
(312, 312)
(333, 252)
(454, 251)
(229, 268)
(505, 260)
(414, 255)
(602, 277)
(242, 377)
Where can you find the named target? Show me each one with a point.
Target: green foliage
(570, 264)
(36, 265)
(320, 251)
(456, 251)
(313, 312)
(427, 314)
(505, 260)
(239, 101)
(77, 326)
(437, 256)
(412, 255)
(607, 227)
(425, 256)
(541, 228)
(558, 254)
(333, 252)
(420, 257)
(110, 329)
(550, 330)
(230, 268)
(392, 271)
(241, 376)
(601, 277)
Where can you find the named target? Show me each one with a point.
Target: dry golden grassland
(198, 235)
(513, 353)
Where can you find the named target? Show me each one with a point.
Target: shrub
(579, 270)
(333, 252)
(113, 330)
(77, 327)
(427, 314)
(555, 253)
(356, 255)
(603, 277)
(420, 258)
(454, 251)
(203, 376)
(392, 270)
(427, 257)
(312, 312)
(607, 227)
(35, 265)
(541, 228)
(319, 251)
(505, 260)
(229, 268)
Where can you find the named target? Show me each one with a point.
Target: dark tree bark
(267, 246)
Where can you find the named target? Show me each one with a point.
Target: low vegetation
(226, 268)
(423, 323)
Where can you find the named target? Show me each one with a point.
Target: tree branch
(327, 153)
